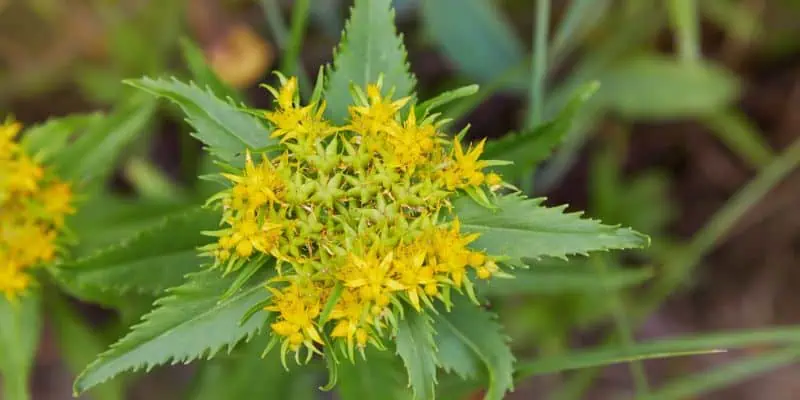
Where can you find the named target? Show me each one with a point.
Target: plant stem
(539, 63)
(280, 33)
(683, 14)
(150, 182)
(291, 57)
(623, 327)
(741, 136)
(15, 390)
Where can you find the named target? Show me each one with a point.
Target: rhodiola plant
(48, 173)
(350, 227)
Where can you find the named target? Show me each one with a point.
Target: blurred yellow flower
(32, 210)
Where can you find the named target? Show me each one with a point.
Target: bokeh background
(696, 99)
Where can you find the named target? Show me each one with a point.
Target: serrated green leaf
(203, 74)
(480, 41)
(660, 87)
(79, 344)
(454, 356)
(378, 375)
(244, 374)
(416, 347)
(559, 278)
(227, 131)
(91, 158)
(45, 140)
(370, 47)
(106, 219)
(189, 323)
(524, 228)
(530, 147)
(453, 387)
(148, 262)
(20, 326)
(478, 331)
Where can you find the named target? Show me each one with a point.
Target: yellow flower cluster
(32, 210)
(356, 212)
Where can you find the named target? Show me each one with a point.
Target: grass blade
(659, 348)
(741, 136)
(736, 372)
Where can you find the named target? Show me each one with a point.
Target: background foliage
(686, 138)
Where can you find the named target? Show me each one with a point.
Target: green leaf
(79, 344)
(244, 374)
(365, 379)
(150, 182)
(203, 74)
(19, 338)
(106, 219)
(480, 41)
(416, 347)
(91, 158)
(478, 331)
(46, 140)
(453, 387)
(658, 88)
(454, 356)
(629, 201)
(226, 130)
(445, 98)
(736, 372)
(533, 146)
(597, 358)
(370, 46)
(559, 278)
(741, 135)
(524, 228)
(148, 262)
(190, 323)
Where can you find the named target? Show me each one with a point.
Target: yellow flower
(465, 168)
(451, 252)
(416, 277)
(298, 305)
(8, 131)
(411, 144)
(378, 115)
(32, 211)
(12, 280)
(354, 209)
(493, 179)
(21, 174)
(258, 186)
(56, 200)
(371, 275)
(293, 121)
(351, 312)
